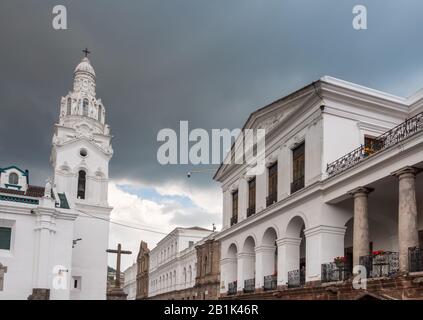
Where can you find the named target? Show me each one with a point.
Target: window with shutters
(273, 184)
(251, 197)
(298, 168)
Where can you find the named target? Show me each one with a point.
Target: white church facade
(53, 239)
(341, 188)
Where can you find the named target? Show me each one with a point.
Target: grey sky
(209, 62)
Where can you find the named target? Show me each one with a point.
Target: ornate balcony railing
(271, 199)
(297, 184)
(251, 211)
(392, 137)
(296, 278)
(270, 283)
(234, 220)
(232, 288)
(385, 264)
(415, 259)
(335, 272)
(249, 285)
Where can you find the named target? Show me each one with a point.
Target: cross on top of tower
(86, 52)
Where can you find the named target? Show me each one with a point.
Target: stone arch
(229, 270)
(295, 225)
(248, 260)
(296, 261)
(269, 236)
(268, 262)
(249, 244)
(232, 251)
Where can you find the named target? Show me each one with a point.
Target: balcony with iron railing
(270, 283)
(232, 288)
(296, 278)
(380, 264)
(333, 272)
(249, 285)
(415, 259)
(251, 211)
(234, 220)
(297, 184)
(390, 138)
(271, 199)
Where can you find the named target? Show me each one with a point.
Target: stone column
(265, 263)
(323, 244)
(361, 238)
(228, 274)
(246, 268)
(407, 214)
(288, 257)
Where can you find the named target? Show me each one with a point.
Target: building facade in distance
(130, 282)
(173, 264)
(207, 281)
(143, 266)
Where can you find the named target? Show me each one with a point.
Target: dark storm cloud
(209, 62)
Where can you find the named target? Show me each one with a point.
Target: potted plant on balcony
(378, 253)
(340, 261)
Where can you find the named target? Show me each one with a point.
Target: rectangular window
(5, 238)
(251, 197)
(298, 167)
(234, 218)
(273, 184)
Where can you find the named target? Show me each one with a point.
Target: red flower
(378, 252)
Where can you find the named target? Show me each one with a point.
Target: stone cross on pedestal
(118, 252)
(3, 270)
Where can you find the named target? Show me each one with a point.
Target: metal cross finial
(86, 52)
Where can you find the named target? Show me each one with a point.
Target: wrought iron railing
(271, 199)
(232, 288)
(234, 220)
(415, 259)
(297, 184)
(335, 272)
(392, 137)
(270, 283)
(296, 278)
(249, 285)
(385, 264)
(251, 211)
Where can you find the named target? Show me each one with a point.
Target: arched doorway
(296, 252)
(248, 264)
(229, 269)
(267, 260)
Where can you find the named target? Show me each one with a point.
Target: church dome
(85, 66)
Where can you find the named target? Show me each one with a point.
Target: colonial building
(207, 281)
(143, 266)
(130, 282)
(341, 188)
(53, 240)
(173, 264)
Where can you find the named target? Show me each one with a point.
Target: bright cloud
(159, 209)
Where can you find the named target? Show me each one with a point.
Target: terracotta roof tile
(12, 191)
(35, 191)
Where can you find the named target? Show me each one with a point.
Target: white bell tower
(80, 158)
